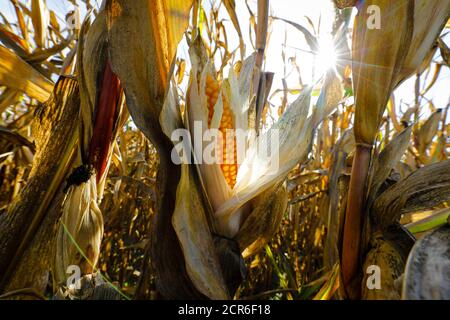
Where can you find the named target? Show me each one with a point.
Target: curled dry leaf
(263, 222)
(422, 189)
(387, 160)
(429, 20)
(428, 267)
(428, 131)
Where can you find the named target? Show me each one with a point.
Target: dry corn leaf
(145, 81)
(428, 131)
(16, 74)
(427, 269)
(330, 96)
(15, 138)
(445, 52)
(191, 225)
(22, 24)
(428, 21)
(262, 223)
(341, 151)
(230, 5)
(40, 18)
(13, 41)
(387, 160)
(422, 189)
(375, 66)
(8, 97)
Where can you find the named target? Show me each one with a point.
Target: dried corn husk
(191, 225)
(80, 232)
(391, 263)
(389, 252)
(263, 222)
(375, 67)
(409, 30)
(92, 46)
(161, 24)
(147, 33)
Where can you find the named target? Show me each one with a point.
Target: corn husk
(91, 46)
(147, 33)
(80, 232)
(145, 82)
(191, 225)
(385, 256)
(375, 67)
(263, 222)
(409, 30)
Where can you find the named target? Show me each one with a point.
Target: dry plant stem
(354, 221)
(57, 121)
(261, 35)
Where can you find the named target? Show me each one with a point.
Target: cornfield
(150, 149)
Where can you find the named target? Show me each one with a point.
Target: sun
(326, 57)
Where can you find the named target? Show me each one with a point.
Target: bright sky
(294, 10)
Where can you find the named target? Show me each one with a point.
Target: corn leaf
(191, 225)
(426, 273)
(16, 74)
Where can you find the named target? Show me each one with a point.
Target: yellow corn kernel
(227, 144)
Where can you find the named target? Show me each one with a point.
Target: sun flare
(326, 57)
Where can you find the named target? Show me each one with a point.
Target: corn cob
(227, 142)
(107, 112)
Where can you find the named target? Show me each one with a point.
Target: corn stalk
(408, 41)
